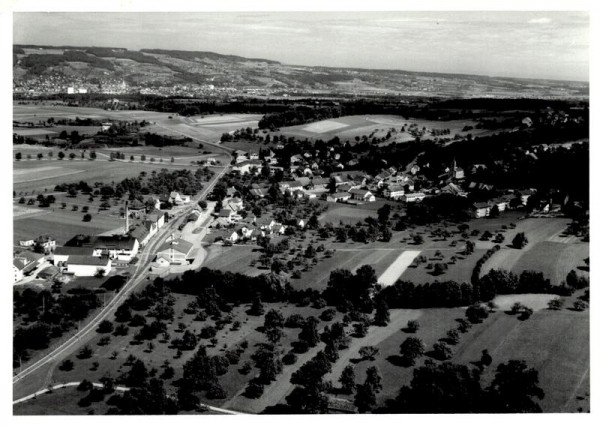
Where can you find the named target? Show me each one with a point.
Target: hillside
(51, 69)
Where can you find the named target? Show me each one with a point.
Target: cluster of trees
(297, 115)
(45, 315)
(154, 139)
(347, 291)
(480, 262)
(453, 388)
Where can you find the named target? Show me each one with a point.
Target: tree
(18, 156)
(105, 327)
(100, 272)
(442, 351)
(486, 358)
(417, 239)
(309, 332)
(66, 365)
(411, 349)
(513, 389)
(40, 156)
(382, 313)
(202, 204)
(257, 308)
(519, 241)
(307, 400)
(72, 156)
(453, 336)
(579, 305)
(273, 326)
(348, 379)
(364, 400)
(412, 326)
(87, 217)
(368, 352)
(85, 352)
(469, 247)
(476, 313)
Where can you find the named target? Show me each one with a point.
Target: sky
(540, 44)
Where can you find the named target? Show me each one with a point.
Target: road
(139, 275)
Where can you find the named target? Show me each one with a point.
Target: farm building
(320, 183)
(481, 210)
(88, 266)
(26, 243)
(176, 251)
(338, 196)
(226, 214)
(17, 270)
(236, 204)
(62, 253)
(24, 262)
(46, 241)
(290, 185)
(362, 195)
(178, 199)
(156, 216)
(116, 247)
(142, 233)
(393, 192)
(248, 166)
(413, 197)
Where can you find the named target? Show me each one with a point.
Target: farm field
(397, 268)
(541, 253)
(77, 170)
(62, 224)
(41, 173)
(348, 127)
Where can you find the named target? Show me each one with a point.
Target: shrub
(289, 358)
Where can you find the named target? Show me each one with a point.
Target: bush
(66, 365)
(328, 314)
(215, 391)
(289, 358)
(294, 321)
(412, 326)
(85, 386)
(254, 389)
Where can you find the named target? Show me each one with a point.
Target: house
(525, 194)
(320, 183)
(136, 209)
(236, 204)
(481, 210)
(248, 166)
(290, 185)
(176, 251)
(46, 241)
(278, 229)
(234, 237)
(265, 224)
(123, 248)
(62, 253)
(175, 198)
(338, 196)
(259, 192)
(393, 192)
(162, 261)
(225, 214)
(17, 270)
(253, 156)
(500, 204)
(304, 181)
(413, 197)
(157, 217)
(414, 169)
(142, 233)
(88, 266)
(26, 243)
(240, 155)
(362, 195)
(300, 223)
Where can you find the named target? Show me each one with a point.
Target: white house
(248, 166)
(234, 237)
(156, 216)
(26, 243)
(413, 197)
(362, 195)
(46, 241)
(394, 192)
(88, 266)
(17, 271)
(481, 210)
(338, 196)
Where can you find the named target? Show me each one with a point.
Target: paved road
(117, 388)
(139, 275)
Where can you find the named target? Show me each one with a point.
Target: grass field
(62, 224)
(348, 127)
(42, 173)
(554, 259)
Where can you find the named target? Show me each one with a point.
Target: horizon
(524, 45)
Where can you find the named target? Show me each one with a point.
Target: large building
(117, 247)
(176, 251)
(88, 266)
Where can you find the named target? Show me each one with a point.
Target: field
(348, 127)
(61, 224)
(396, 269)
(65, 171)
(542, 253)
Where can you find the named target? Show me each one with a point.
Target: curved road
(145, 257)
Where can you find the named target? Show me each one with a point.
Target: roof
(340, 194)
(44, 238)
(249, 163)
(30, 256)
(359, 191)
(115, 242)
(291, 184)
(320, 181)
(182, 246)
(303, 180)
(235, 200)
(19, 263)
(225, 213)
(88, 260)
(481, 205)
(140, 233)
(73, 251)
(155, 215)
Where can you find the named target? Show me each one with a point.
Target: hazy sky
(518, 44)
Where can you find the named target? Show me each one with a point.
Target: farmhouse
(46, 241)
(176, 251)
(394, 192)
(25, 262)
(240, 155)
(413, 197)
(157, 217)
(248, 166)
(320, 183)
(481, 210)
(362, 195)
(225, 214)
(290, 185)
(142, 232)
(178, 199)
(338, 196)
(88, 266)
